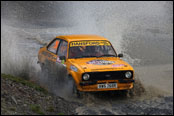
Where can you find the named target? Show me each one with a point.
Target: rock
(14, 100)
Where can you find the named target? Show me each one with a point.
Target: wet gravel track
(128, 106)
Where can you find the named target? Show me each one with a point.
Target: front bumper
(92, 85)
(95, 82)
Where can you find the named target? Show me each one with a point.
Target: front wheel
(75, 91)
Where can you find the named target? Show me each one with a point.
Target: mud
(158, 106)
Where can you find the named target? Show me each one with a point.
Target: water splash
(143, 31)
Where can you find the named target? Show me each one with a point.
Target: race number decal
(118, 65)
(100, 62)
(58, 60)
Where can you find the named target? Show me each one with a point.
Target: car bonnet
(101, 64)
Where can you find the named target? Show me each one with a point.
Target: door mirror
(62, 58)
(120, 55)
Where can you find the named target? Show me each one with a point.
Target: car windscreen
(84, 49)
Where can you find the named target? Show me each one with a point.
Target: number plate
(109, 85)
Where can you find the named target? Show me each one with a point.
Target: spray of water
(141, 30)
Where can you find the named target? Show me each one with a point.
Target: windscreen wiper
(84, 56)
(78, 57)
(106, 55)
(90, 56)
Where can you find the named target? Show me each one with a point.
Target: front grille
(109, 75)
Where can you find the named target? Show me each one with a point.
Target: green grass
(50, 109)
(12, 108)
(36, 109)
(60, 114)
(24, 82)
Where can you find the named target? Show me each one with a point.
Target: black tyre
(74, 90)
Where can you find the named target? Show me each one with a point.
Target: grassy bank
(24, 82)
(24, 97)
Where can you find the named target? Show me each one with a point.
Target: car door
(56, 70)
(61, 68)
(51, 53)
(62, 51)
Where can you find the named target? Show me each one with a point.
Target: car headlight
(128, 74)
(86, 77)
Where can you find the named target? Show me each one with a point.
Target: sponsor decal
(89, 43)
(62, 61)
(64, 65)
(118, 65)
(58, 60)
(100, 62)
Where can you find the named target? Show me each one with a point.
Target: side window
(53, 46)
(62, 51)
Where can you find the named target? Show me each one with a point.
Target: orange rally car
(91, 62)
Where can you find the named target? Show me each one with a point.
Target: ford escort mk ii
(91, 62)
